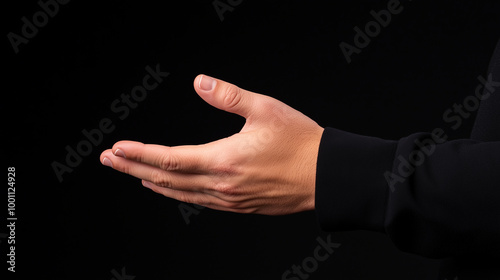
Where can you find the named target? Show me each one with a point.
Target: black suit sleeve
(433, 198)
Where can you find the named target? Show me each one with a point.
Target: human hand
(269, 167)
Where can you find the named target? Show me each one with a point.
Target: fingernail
(146, 184)
(120, 153)
(207, 83)
(107, 162)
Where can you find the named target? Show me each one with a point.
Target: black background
(97, 220)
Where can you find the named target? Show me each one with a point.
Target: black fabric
(487, 125)
(444, 205)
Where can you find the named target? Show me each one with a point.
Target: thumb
(225, 96)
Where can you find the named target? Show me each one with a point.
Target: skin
(268, 168)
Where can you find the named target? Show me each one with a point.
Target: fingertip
(105, 158)
(204, 83)
(120, 148)
(119, 153)
(146, 184)
(105, 153)
(107, 162)
(196, 81)
(151, 186)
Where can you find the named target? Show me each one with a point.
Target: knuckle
(224, 169)
(168, 162)
(239, 207)
(185, 198)
(159, 178)
(226, 165)
(226, 189)
(231, 205)
(232, 97)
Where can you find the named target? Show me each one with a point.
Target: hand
(269, 167)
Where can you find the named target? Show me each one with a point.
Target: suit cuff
(351, 190)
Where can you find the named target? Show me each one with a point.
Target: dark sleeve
(433, 198)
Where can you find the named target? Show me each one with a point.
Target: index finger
(190, 158)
